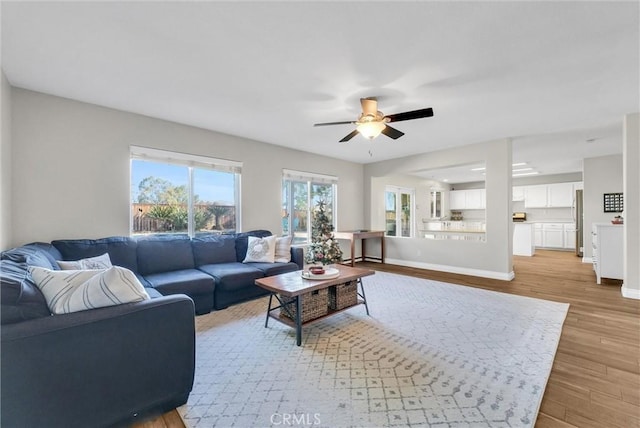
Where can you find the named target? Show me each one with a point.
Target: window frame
(192, 163)
(289, 177)
(398, 191)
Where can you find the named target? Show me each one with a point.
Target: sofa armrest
(98, 367)
(297, 256)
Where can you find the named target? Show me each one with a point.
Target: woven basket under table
(314, 305)
(343, 295)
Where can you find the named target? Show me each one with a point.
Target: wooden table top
(292, 284)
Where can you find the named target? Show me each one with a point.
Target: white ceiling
(550, 75)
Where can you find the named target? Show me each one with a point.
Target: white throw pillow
(77, 290)
(98, 262)
(283, 249)
(261, 249)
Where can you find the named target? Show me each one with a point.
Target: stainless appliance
(579, 219)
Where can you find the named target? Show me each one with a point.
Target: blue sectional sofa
(115, 365)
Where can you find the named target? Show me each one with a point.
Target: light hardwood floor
(595, 379)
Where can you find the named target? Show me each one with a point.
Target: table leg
(364, 251)
(364, 298)
(298, 320)
(266, 322)
(353, 251)
(382, 248)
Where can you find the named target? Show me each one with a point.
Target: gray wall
(492, 258)
(601, 175)
(71, 175)
(5, 164)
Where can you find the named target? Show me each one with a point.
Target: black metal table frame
(298, 302)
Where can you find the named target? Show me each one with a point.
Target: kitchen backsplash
(545, 214)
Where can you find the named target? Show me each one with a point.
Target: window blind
(289, 174)
(224, 165)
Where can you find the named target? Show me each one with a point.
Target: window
(435, 204)
(399, 211)
(181, 193)
(301, 192)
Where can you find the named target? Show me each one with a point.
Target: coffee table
(290, 287)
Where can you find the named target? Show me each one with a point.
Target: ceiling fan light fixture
(371, 129)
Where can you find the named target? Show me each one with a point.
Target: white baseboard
(454, 269)
(630, 293)
(587, 260)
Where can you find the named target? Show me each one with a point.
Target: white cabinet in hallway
(608, 250)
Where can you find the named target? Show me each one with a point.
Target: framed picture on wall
(613, 202)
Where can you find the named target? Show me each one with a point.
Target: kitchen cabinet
(517, 193)
(553, 235)
(457, 199)
(535, 196)
(537, 234)
(472, 199)
(475, 199)
(523, 240)
(556, 195)
(608, 250)
(569, 236)
(560, 195)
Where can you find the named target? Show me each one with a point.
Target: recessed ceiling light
(522, 169)
(525, 173)
(478, 169)
(445, 179)
(518, 164)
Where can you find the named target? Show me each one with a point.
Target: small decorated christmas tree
(324, 248)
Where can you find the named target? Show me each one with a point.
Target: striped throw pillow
(69, 291)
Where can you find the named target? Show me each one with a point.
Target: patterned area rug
(431, 355)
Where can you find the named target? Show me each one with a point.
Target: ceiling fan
(372, 122)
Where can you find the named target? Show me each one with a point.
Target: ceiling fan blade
(346, 122)
(392, 132)
(350, 136)
(369, 106)
(409, 115)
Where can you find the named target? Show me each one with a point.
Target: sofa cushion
(242, 240)
(34, 254)
(80, 290)
(121, 250)
(214, 249)
(270, 269)
(260, 249)
(232, 276)
(196, 284)
(185, 281)
(98, 262)
(20, 299)
(164, 253)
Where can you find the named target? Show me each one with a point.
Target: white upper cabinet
(557, 195)
(457, 199)
(560, 195)
(472, 199)
(517, 193)
(535, 196)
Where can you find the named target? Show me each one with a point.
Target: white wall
(631, 156)
(492, 258)
(5, 164)
(601, 175)
(71, 169)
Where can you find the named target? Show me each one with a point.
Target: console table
(363, 235)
